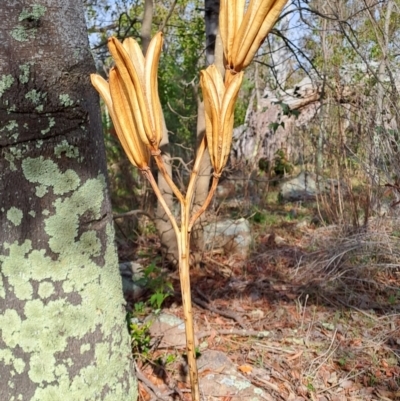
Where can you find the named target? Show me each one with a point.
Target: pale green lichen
(5, 83)
(17, 264)
(11, 156)
(42, 367)
(20, 34)
(44, 328)
(19, 365)
(233, 381)
(12, 125)
(15, 216)
(46, 173)
(32, 213)
(11, 159)
(35, 96)
(65, 148)
(2, 289)
(65, 100)
(52, 123)
(85, 348)
(41, 190)
(46, 289)
(24, 76)
(6, 356)
(35, 13)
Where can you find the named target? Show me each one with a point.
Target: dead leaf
(295, 356)
(245, 368)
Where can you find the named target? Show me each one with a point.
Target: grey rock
(306, 186)
(233, 236)
(130, 273)
(219, 378)
(168, 330)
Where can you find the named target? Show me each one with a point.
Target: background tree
(62, 320)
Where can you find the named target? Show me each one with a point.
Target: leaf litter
(313, 317)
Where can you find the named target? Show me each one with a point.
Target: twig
(148, 174)
(272, 386)
(140, 375)
(131, 213)
(205, 204)
(325, 355)
(228, 314)
(170, 12)
(176, 113)
(234, 332)
(276, 350)
(374, 318)
(185, 165)
(348, 377)
(161, 166)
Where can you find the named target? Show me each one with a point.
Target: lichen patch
(15, 216)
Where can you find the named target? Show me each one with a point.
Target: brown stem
(195, 171)
(205, 204)
(183, 239)
(160, 164)
(148, 174)
(184, 244)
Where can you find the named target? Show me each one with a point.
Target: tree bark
(214, 54)
(62, 320)
(146, 25)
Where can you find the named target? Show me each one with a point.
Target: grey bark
(146, 24)
(63, 334)
(214, 54)
(163, 225)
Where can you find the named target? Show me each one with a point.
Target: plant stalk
(184, 275)
(183, 239)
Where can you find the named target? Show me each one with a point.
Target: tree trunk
(163, 224)
(62, 320)
(214, 54)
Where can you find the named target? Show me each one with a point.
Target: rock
(168, 330)
(219, 378)
(232, 235)
(301, 225)
(130, 273)
(303, 187)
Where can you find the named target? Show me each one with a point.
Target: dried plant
(132, 99)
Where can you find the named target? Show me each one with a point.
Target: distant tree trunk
(63, 333)
(146, 24)
(214, 54)
(163, 224)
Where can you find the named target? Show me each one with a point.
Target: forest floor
(325, 299)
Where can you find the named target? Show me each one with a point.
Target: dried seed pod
(243, 33)
(139, 76)
(219, 104)
(121, 115)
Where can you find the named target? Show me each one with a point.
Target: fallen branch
(150, 386)
(234, 332)
(131, 213)
(228, 314)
